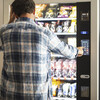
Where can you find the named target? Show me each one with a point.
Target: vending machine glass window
(61, 19)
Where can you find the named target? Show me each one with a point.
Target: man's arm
(60, 47)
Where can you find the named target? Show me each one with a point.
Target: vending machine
(71, 22)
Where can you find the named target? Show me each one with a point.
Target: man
(26, 73)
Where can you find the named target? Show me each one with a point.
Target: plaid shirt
(26, 73)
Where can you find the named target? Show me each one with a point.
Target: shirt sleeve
(58, 46)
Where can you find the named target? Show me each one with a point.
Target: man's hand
(12, 16)
(80, 53)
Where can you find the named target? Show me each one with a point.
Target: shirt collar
(25, 19)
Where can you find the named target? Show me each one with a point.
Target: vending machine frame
(94, 39)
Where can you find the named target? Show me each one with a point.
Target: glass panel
(61, 19)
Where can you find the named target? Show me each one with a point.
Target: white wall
(94, 52)
(1, 12)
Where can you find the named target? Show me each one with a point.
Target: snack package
(65, 68)
(39, 10)
(72, 69)
(54, 87)
(65, 26)
(64, 11)
(60, 91)
(66, 88)
(59, 29)
(51, 11)
(72, 92)
(53, 68)
(73, 13)
(53, 26)
(72, 28)
(59, 65)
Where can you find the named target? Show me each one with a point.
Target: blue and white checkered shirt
(26, 73)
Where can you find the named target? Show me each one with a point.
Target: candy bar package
(40, 10)
(66, 26)
(54, 87)
(61, 89)
(51, 11)
(72, 27)
(59, 27)
(66, 88)
(53, 68)
(64, 11)
(72, 90)
(53, 26)
(73, 13)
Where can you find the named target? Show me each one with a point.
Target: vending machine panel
(84, 40)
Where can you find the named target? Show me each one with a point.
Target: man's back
(26, 60)
(26, 73)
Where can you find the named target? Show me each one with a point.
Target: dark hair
(23, 6)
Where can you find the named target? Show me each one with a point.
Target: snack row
(63, 68)
(55, 11)
(64, 90)
(60, 26)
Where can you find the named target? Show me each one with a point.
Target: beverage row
(63, 68)
(55, 10)
(60, 26)
(64, 90)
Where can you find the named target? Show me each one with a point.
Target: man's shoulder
(3, 27)
(6, 27)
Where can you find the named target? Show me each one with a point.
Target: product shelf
(54, 19)
(66, 33)
(67, 79)
(62, 98)
(56, 55)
